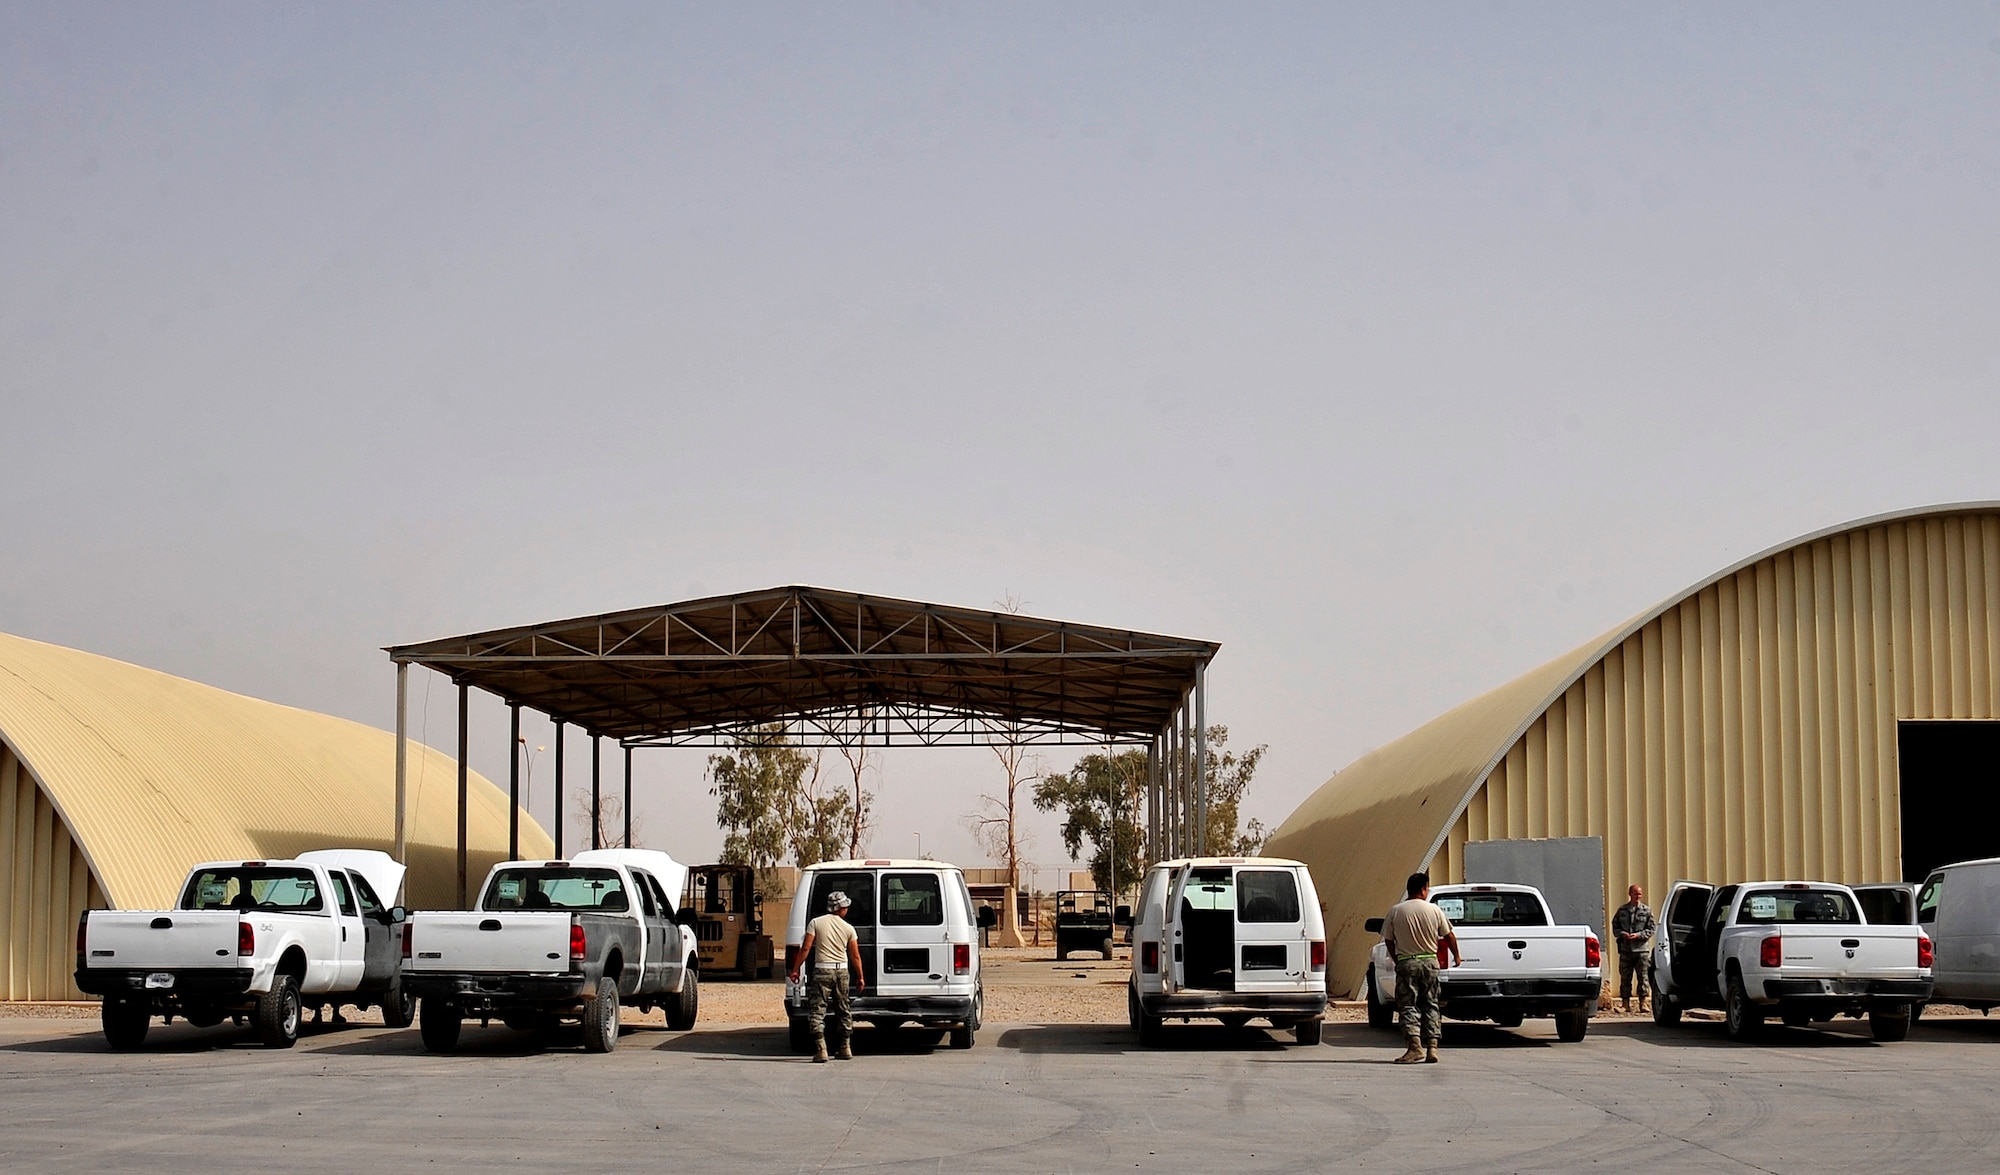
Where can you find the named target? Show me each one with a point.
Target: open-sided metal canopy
(845, 669)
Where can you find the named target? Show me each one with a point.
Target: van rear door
(859, 886)
(1271, 945)
(1205, 950)
(914, 956)
(1964, 925)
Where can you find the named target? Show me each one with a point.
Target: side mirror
(686, 916)
(1372, 926)
(398, 914)
(988, 917)
(1122, 916)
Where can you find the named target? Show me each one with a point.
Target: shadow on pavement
(1117, 1038)
(1710, 1034)
(774, 1043)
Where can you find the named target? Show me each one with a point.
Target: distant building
(1824, 710)
(115, 779)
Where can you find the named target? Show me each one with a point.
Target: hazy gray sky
(1397, 348)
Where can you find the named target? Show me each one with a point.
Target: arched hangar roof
(150, 773)
(1391, 811)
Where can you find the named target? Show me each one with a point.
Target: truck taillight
(1926, 954)
(576, 942)
(1149, 957)
(1593, 954)
(1772, 952)
(407, 927)
(1318, 956)
(246, 939)
(791, 957)
(961, 958)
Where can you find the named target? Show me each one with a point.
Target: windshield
(557, 889)
(1774, 906)
(1492, 909)
(286, 891)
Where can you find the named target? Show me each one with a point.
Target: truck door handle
(1850, 942)
(1519, 944)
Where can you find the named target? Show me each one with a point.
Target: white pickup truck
(1802, 949)
(555, 941)
(1516, 962)
(257, 938)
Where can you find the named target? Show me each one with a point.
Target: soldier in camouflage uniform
(1632, 927)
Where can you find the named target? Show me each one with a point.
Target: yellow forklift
(729, 921)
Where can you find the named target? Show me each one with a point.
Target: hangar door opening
(1949, 776)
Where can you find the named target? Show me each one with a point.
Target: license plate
(160, 979)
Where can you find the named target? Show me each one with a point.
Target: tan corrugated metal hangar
(114, 779)
(1822, 710)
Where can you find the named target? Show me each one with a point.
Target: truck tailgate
(1848, 951)
(1521, 952)
(518, 940)
(160, 940)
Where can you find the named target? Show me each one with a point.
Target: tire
(1110, 949)
(1509, 1019)
(1666, 1013)
(685, 1005)
(1307, 1031)
(1916, 1011)
(1572, 1024)
(1149, 1027)
(1740, 1017)
(1062, 956)
(1380, 1015)
(600, 1016)
(1885, 1025)
(801, 1036)
(1132, 1007)
(398, 1009)
(439, 1022)
(961, 1037)
(278, 1012)
(125, 1023)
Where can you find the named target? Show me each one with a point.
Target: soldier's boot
(1430, 1052)
(1411, 1055)
(846, 1052)
(819, 1050)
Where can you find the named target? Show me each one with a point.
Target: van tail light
(1149, 957)
(1319, 956)
(1772, 952)
(791, 957)
(1593, 954)
(961, 958)
(246, 939)
(407, 927)
(576, 943)
(1926, 954)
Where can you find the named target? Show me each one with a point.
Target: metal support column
(1153, 799)
(464, 748)
(402, 760)
(513, 781)
(628, 797)
(559, 787)
(596, 791)
(1176, 778)
(1201, 757)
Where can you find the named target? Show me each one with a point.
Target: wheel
(685, 1005)
(1110, 945)
(439, 1022)
(1148, 1026)
(1062, 956)
(1890, 1023)
(961, 1037)
(1740, 1017)
(1509, 1019)
(1916, 1011)
(600, 1016)
(1666, 1013)
(278, 1014)
(1132, 1007)
(125, 1023)
(801, 1036)
(1795, 1017)
(1307, 1031)
(1572, 1023)
(1380, 1015)
(398, 1009)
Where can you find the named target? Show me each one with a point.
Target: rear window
(1267, 895)
(912, 899)
(859, 888)
(1209, 889)
(1765, 907)
(1886, 906)
(1492, 909)
(284, 891)
(557, 889)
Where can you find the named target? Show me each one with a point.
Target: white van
(1229, 939)
(1959, 907)
(919, 937)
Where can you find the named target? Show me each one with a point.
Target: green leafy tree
(769, 804)
(1228, 779)
(1084, 795)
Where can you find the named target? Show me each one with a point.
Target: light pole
(920, 844)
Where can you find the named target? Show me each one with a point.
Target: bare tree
(996, 825)
(861, 817)
(610, 820)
